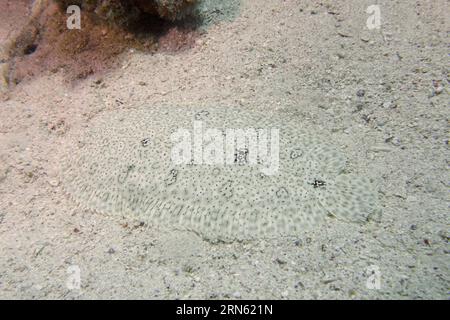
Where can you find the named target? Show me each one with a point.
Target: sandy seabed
(382, 93)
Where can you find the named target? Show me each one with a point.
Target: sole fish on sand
(123, 164)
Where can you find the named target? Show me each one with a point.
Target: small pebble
(360, 93)
(396, 141)
(438, 90)
(53, 182)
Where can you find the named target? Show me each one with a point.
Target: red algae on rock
(108, 28)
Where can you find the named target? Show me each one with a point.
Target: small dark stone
(111, 251)
(139, 225)
(361, 93)
(366, 118)
(413, 227)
